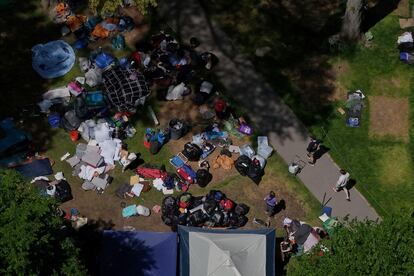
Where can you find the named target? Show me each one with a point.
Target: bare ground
(389, 116)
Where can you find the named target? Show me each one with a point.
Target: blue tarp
(38, 167)
(14, 143)
(138, 253)
(53, 59)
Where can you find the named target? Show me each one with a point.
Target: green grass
(382, 167)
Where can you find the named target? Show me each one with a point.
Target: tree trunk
(352, 20)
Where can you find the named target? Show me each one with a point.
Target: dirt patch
(403, 9)
(339, 69)
(389, 116)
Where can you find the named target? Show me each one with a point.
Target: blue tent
(226, 252)
(53, 59)
(138, 253)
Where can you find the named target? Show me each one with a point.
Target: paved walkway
(286, 133)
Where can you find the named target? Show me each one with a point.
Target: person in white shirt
(342, 182)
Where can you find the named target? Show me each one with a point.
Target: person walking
(342, 182)
(312, 146)
(271, 203)
(314, 150)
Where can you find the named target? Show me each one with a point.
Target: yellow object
(134, 180)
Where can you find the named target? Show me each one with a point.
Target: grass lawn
(56, 142)
(313, 82)
(381, 164)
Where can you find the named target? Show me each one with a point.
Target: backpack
(203, 177)
(192, 151)
(70, 121)
(241, 209)
(155, 147)
(242, 164)
(216, 195)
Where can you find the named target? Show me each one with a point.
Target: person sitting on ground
(271, 203)
(342, 182)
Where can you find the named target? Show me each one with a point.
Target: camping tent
(138, 253)
(53, 59)
(226, 252)
(125, 88)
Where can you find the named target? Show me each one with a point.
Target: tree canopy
(103, 7)
(31, 239)
(364, 248)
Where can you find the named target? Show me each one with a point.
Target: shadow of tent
(138, 253)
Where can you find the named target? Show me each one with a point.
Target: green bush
(363, 248)
(31, 239)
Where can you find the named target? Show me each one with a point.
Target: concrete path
(286, 133)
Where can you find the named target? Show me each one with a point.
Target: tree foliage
(364, 248)
(31, 239)
(104, 7)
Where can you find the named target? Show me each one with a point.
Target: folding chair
(178, 160)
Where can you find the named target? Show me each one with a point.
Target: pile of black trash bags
(212, 210)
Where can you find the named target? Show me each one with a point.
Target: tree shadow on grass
(22, 26)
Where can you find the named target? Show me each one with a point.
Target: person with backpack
(313, 146)
(271, 203)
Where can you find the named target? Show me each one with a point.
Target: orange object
(60, 8)
(74, 135)
(74, 22)
(100, 32)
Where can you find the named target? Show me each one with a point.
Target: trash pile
(212, 210)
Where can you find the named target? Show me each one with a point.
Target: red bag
(187, 174)
(227, 204)
(151, 173)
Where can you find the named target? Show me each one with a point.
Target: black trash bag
(197, 218)
(155, 147)
(217, 218)
(242, 164)
(255, 172)
(170, 220)
(177, 129)
(63, 191)
(241, 221)
(169, 205)
(210, 205)
(203, 177)
(241, 209)
(183, 219)
(196, 201)
(192, 152)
